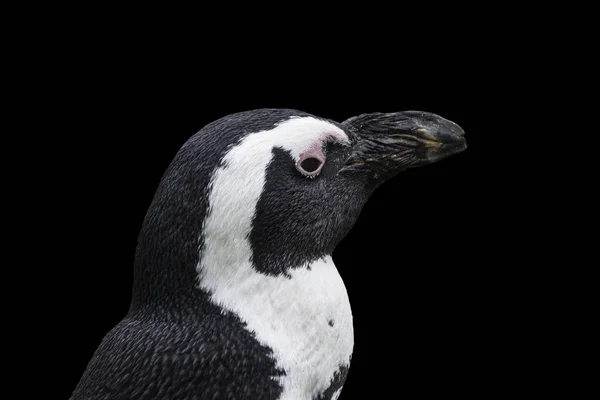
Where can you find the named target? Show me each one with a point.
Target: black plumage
(174, 342)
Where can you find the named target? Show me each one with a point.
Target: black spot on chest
(331, 322)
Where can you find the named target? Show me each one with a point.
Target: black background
(424, 294)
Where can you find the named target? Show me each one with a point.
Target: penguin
(235, 294)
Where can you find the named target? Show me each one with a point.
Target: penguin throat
(304, 317)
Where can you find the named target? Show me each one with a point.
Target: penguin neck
(303, 315)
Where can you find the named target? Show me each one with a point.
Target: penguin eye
(310, 166)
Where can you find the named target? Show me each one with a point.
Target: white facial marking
(290, 316)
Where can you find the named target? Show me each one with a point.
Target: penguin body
(235, 293)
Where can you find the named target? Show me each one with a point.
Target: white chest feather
(305, 320)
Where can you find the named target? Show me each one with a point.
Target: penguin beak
(387, 144)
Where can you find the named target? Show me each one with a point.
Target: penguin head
(277, 188)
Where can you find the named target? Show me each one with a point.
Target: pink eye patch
(312, 159)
